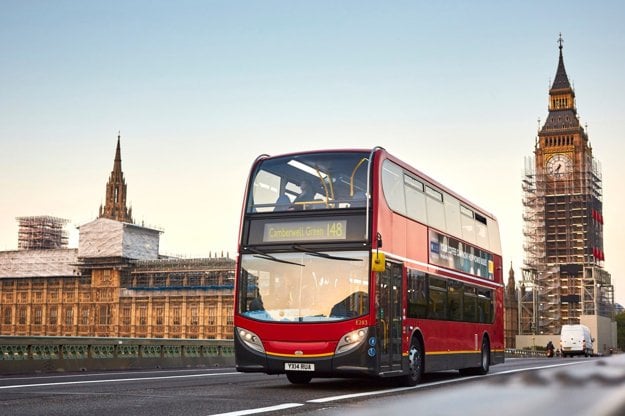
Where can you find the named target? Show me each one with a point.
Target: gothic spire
(562, 110)
(561, 80)
(115, 206)
(118, 155)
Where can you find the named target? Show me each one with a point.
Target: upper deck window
(309, 181)
(434, 193)
(466, 211)
(436, 208)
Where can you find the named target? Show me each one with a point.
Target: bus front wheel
(298, 378)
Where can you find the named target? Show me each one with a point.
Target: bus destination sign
(321, 230)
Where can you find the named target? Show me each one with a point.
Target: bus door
(389, 317)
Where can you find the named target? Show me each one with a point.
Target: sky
(199, 89)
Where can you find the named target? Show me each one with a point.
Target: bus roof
(400, 162)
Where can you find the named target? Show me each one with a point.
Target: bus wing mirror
(378, 262)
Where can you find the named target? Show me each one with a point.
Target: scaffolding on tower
(563, 276)
(41, 233)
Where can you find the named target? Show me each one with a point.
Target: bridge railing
(522, 353)
(20, 355)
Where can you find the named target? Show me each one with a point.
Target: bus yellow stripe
(451, 352)
(457, 352)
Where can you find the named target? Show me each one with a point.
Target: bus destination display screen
(320, 230)
(300, 229)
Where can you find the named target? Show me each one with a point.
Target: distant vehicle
(575, 340)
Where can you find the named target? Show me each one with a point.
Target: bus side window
(454, 298)
(470, 311)
(417, 294)
(485, 305)
(437, 308)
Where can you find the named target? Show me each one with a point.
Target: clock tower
(563, 219)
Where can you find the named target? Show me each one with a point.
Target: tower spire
(118, 153)
(562, 109)
(561, 80)
(115, 207)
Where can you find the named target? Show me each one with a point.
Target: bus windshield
(304, 286)
(309, 181)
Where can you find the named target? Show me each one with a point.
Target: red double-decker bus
(352, 263)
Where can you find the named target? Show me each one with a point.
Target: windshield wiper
(323, 255)
(262, 255)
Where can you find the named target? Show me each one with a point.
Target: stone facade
(116, 284)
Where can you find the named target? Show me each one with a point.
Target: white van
(575, 340)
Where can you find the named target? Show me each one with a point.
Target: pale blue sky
(198, 89)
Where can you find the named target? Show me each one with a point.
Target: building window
(212, 315)
(84, 316)
(7, 315)
(229, 315)
(105, 314)
(126, 318)
(69, 316)
(176, 315)
(21, 315)
(106, 276)
(143, 315)
(160, 315)
(37, 315)
(22, 297)
(52, 315)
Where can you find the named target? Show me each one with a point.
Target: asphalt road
(584, 386)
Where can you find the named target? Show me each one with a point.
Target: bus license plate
(299, 367)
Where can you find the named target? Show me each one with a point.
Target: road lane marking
(537, 368)
(435, 383)
(116, 380)
(260, 410)
(395, 390)
(114, 373)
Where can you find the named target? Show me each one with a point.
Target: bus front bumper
(355, 363)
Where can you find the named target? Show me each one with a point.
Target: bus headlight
(250, 339)
(351, 340)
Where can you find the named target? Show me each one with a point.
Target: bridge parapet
(23, 355)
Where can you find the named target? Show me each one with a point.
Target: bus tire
(298, 378)
(415, 362)
(484, 366)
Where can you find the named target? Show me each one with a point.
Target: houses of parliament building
(115, 284)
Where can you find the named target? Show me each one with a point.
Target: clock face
(559, 165)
